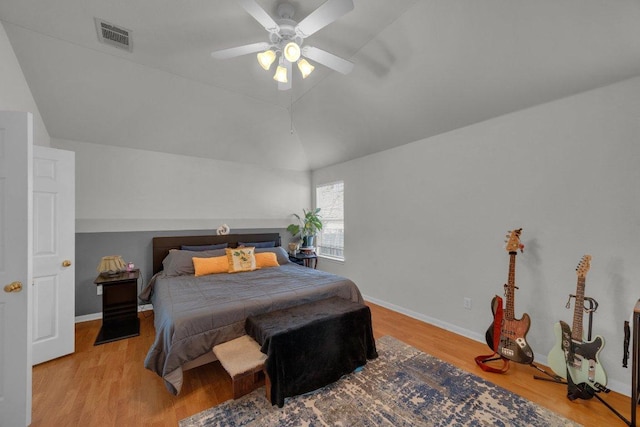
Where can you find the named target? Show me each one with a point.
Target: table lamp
(111, 265)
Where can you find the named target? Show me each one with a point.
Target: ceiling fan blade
(287, 85)
(240, 50)
(327, 59)
(260, 15)
(323, 16)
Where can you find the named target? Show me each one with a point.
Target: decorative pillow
(266, 259)
(214, 265)
(281, 254)
(241, 259)
(199, 248)
(271, 244)
(180, 263)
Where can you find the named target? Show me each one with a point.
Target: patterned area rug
(402, 387)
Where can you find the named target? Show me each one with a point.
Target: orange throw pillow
(214, 265)
(266, 259)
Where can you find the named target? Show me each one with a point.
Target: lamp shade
(292, 52)
(266, 58)
(111, 265)
(305, 68)
(281, 74)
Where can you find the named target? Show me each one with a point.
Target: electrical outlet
(467, 303)
(99, 288)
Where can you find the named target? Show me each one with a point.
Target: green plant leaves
(309, 224)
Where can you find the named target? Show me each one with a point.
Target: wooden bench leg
(244, 362)
(267, 385)
(247, 382)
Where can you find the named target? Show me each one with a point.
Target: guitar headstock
(584, 266)
(513, 241)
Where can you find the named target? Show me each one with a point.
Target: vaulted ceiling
(422, 67)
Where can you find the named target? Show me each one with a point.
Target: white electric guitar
(571, 354)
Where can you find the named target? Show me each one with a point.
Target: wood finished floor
(107, 385)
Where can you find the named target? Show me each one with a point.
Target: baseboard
(98, 316)
(88, 317)
(617, 386)
(427, 319)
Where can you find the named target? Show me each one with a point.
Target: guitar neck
(576, 332)
(509, 312)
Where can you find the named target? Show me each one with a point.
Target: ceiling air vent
(114, 35)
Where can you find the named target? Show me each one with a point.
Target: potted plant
(308, 226)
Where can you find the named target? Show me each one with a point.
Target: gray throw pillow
(180, 263)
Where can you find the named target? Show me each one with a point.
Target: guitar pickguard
(519, 352)
(584, 367)
(579, 360)
(513, 344)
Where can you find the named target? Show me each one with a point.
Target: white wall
(15, 94)
(123, 189)
(425, 222)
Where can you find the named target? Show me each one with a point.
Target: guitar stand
(575, 391)
(551, 377)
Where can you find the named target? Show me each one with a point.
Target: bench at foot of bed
(244, 362)
(311, 345)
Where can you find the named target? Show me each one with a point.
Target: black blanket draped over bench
(311, 345)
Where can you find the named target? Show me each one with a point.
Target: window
(330, 200)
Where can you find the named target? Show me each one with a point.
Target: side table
(119, 306)
(308, 259)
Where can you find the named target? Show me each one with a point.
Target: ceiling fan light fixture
(266, 58)
(287, 38)
(281, 74)
(292, 52)
(305, 68)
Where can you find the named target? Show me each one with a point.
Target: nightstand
(307, 259)
(119, 306)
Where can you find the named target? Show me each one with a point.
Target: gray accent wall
(133, 246)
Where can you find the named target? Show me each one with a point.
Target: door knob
(13, 287)
(66, 263)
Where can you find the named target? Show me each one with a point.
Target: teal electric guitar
(571, 354)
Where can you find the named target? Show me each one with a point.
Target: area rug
(402, 387)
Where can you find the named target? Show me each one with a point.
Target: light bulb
(281, 74)
(292, 52)
(305, 68)
(266, 58)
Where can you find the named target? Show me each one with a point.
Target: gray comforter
(193, 314)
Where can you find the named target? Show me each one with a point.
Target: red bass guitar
(512, 344)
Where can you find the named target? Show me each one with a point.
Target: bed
(194, 313)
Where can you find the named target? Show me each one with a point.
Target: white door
(16, 222)
(53, 291)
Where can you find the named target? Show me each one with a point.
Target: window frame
(324, 221)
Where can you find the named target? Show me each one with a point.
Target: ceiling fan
(286, 38)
